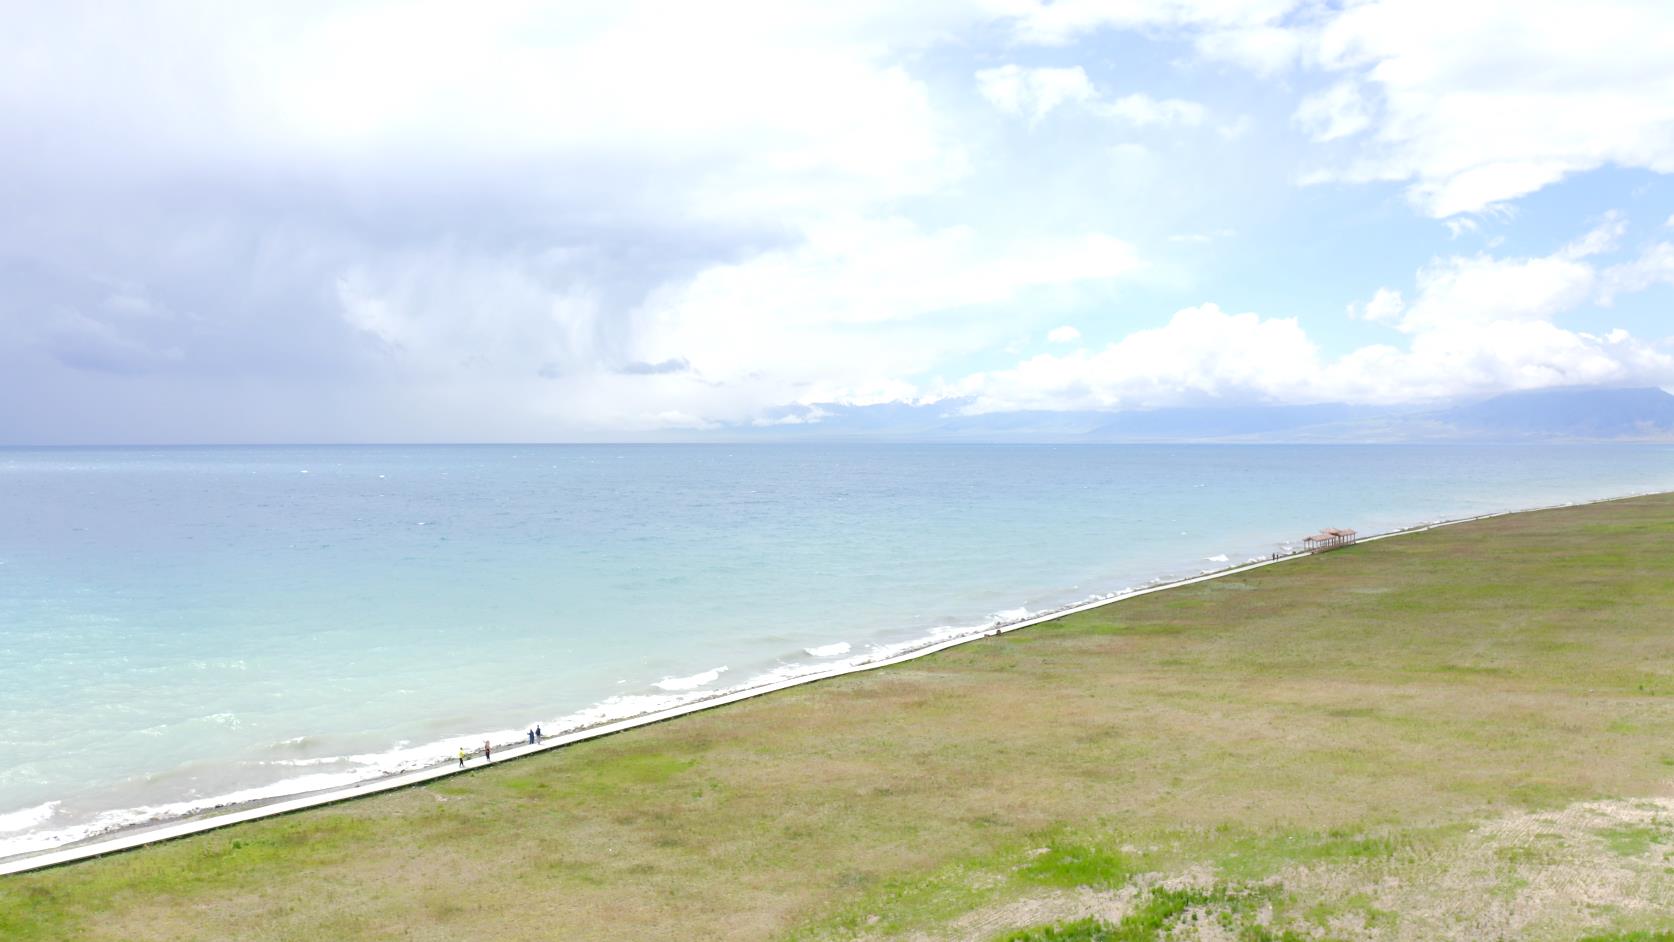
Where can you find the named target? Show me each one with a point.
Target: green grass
(1066, 864)
(1633, 840)
(1326, 744)
(1163, 913)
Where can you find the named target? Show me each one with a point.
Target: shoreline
(169, 827)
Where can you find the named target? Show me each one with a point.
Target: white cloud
(1477, 358)
(1474, 325)
(746, 112)
(1600, 239)
(1201, 353)
(1337, 112)
(1521, 95)
(841, 316)
(1482, 288)
(1248, 33)
(1654, 266)
(807, 416)
(1263, 49)
(1053, 22)
(1384, 308)
(1064, 334)
(857, 305)
(1037, 92)
(1204, 354)
(1459, 225)
(1143, 111)
(1033, 92)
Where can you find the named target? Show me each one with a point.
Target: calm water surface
(181, 624)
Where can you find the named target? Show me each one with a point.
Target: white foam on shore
(688, 683)
(358, 768)
(828, 650)
(28, 817)
(147, 814)
(1217, 558)
(299, 763)
(363, 767)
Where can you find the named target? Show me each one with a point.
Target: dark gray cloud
(172, 219)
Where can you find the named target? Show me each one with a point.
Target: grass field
(1464, 734)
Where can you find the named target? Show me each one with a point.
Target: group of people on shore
(535, 737)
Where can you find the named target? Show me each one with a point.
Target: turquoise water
(182, 624)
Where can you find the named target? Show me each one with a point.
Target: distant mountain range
(1570, 414)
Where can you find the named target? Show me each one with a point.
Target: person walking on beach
(462, 757)
(531, 737)
(486, 753)
(538, 737)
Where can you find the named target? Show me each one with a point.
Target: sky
(321, 222)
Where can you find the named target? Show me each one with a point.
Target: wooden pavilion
(1328, 538)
